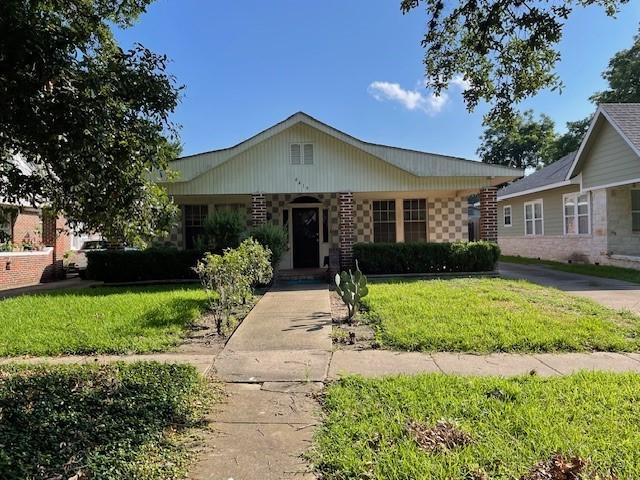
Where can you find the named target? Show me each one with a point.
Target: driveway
(609, 292)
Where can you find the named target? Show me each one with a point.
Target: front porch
(322, 224)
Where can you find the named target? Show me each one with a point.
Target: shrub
(398, 258)
(152, 264)
(228, 278)
(352, 288)
(224, 229)
(272, 237)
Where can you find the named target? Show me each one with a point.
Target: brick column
(346, 229)
(258, 209)
(54, 235)
(489, 214)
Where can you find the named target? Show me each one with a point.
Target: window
(5, 226)
(415, 220)
(635, 211)
(194, 216)
(576, 214)
(506, 215)
(301, 154)
(533, 221)
(384, 221)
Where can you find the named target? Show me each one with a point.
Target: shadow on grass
(177, 311)
(95, 421)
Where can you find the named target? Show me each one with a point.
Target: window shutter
(295, 154)
(308, 153)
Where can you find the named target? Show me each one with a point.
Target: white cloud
(429, 103)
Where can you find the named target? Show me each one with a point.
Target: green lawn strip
(99, 320)
(513, 424)
(605, 271)
(494, 315)
(109, 422)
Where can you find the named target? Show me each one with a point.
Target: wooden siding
(552, 212)
(266, 167)
(610, 160)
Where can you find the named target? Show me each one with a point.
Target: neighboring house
(586, 206)
(330, 190)
(36, 243)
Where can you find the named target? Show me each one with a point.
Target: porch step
(301, 275)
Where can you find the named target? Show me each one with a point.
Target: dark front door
(306, 252)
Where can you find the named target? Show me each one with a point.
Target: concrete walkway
(606, 291)
(273, 365)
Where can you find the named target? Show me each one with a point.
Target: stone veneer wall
(448, 219)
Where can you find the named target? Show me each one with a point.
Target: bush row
(420, 257)
(151, 264)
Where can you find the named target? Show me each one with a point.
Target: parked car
(77, 260)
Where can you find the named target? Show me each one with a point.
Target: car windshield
(94, 245)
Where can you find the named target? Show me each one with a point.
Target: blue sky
(249, 64)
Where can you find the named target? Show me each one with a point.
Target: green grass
(122, 421)
(494, 315)
(513, 423)
(605, 271)
(99, 320)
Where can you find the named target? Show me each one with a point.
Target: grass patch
(604, 271)
(108, 422)
(512, 425)
(494, 315)
(99, 320)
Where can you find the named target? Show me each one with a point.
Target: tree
(84, 125)
(521, 141)
(505, 49)
(623, 74)
(570, 140)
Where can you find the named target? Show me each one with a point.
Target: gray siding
(552, 212)
(609, 160)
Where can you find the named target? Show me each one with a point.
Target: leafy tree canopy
(506, 49)
(83, 123)
(623, 76)
(522, 141)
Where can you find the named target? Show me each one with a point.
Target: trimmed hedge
(132, 266)
(421, 257)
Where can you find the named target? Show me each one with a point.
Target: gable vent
(301, 154)
(308, 154)
(296, 154)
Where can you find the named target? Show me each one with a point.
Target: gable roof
(415, 162)
(551, 176)
(623, 117)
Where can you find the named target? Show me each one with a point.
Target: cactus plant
(352, 288)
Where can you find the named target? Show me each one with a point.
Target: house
(586, 206)
(32, 245)
(330, 190)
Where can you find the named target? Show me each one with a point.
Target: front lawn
(99, 320)
(605, 271)
(110, 422)
(491, 428)
(494, 315)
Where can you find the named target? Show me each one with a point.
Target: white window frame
(302, 145)
(504, 216)
(634, 232)
(576, 217)
(533, 218)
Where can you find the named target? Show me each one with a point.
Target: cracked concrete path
(274, 364)
(609, 292)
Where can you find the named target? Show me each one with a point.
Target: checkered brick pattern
(363, 221)
(448, 219)
(176, 232)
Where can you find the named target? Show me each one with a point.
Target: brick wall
(488, 214)
(346, 229)
(19, 269)
(258, 209)
(27, 226)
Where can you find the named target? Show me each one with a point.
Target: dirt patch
(202, 337)
(444, 436)
(559, 467)
(357, 336)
